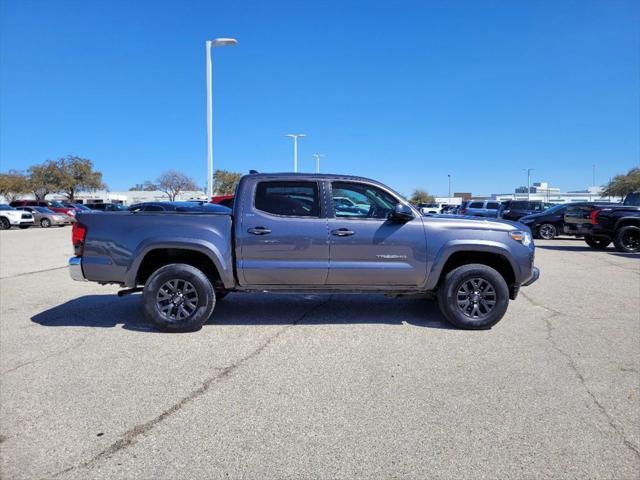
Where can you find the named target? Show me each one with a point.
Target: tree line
(173, 182)
(67, 176)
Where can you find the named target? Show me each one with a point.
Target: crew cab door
(366, 248)
(283, 235)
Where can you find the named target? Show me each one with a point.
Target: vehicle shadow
(108, 311)
(586, 248)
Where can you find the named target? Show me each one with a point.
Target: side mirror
(401, 213)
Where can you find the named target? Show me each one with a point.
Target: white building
(128, 197)
(543, 192)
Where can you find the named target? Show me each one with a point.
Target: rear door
(367, 249)
(283, 235)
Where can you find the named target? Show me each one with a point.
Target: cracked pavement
(317, 386)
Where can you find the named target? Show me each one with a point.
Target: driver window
(356, 200)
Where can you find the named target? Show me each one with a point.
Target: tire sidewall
(618, 240)
(45, 223)
(447, 296)
(206, 297)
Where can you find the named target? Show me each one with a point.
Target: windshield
(55, 204)
(555, 208)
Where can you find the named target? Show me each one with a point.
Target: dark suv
(516, 209)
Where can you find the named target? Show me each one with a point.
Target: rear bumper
(535, 274)
(75, 269)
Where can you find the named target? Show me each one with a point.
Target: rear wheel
(45, 223)
(547, 231)
(599, 243)
(627, 239)
(178, 298)
(473, 297)
(4, 224)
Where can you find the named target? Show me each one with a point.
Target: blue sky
(402, 91)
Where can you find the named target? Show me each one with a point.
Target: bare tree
(173, 183)
(421, 196)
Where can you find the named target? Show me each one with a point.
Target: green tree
(225, 182)
(44, 179)
(421, 196)
(13, 185)
(173, 183)
(77, 174)
(622, 185)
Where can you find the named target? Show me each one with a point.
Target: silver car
(46, 218)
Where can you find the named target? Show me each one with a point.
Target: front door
(283, 236)
(366, 248)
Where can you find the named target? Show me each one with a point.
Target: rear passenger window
(475, 205)
(493, 205)
(290, 199)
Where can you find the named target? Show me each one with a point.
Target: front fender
(223, 265)
(453, 246)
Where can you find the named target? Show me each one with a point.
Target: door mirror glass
(401, 213)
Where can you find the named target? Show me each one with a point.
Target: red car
(224, 200)
(50, 204)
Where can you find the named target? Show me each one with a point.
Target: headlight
(520, 236)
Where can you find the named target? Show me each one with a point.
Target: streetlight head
(224, 42)
(294, 135)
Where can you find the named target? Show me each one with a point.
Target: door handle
(342, 232)
(259, 231)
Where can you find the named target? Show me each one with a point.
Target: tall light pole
(218, 42)
(317, 156)
(449, 175)
(528, 170)
(594, 175)
(295, 137)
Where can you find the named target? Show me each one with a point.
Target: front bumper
(75, 269)
(535, 274)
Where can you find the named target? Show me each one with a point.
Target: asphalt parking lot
(339, 386)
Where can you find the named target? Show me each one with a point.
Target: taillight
(78, 235)
(593, 217)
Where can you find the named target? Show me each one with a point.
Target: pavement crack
(131, 435)
(31, 273)
(574, 367)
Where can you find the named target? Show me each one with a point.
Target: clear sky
(402, 91)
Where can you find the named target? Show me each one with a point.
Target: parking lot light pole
(528, 170)
(449, 202)
(295, 137)
(317, 156)
(218, 42)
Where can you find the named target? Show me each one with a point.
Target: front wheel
(178, 298)
(473, 297)
(547, 231)
(627, 239)
(599, 243)
(45, 223)
(4, 224)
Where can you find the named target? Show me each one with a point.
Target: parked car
(53, 205)
(285, 235)
(107, 207)
(225, 200)
(177, 207)
(10, 217)
(603, 223)
(77, 207)
(516, 209)
(429, 208)
(547, 224)
(480, 208)
(46, 218)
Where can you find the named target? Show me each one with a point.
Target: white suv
(10, 217)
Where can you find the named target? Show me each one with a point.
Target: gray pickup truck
(294, 233)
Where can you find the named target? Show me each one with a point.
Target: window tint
(519, 205)
(492, 205)
(475, 205)
(291, 199)
(153, 208)
(365, 201)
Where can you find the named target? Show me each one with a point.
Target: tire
(4, 224)
(24, 227)
(45, 223)
(547, 231)
(599, 243)
(166, 298)
(627, 239)
(459, 281)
